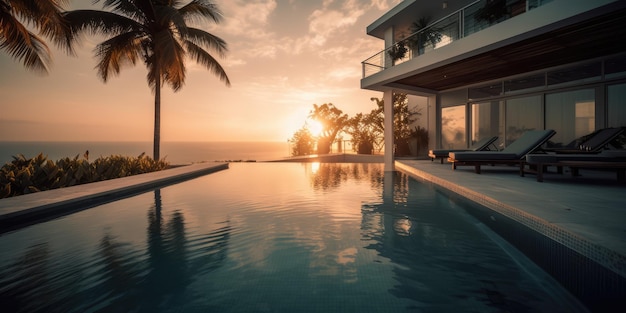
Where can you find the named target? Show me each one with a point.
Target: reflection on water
(326, 176)
(268, 238)
(120, 277)
(434, 248)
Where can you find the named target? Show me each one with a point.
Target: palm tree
(20, 42)
(157, 33)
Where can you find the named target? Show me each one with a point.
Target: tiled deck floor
(587, 213)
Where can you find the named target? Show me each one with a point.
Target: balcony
(471, 50)
(470, 19)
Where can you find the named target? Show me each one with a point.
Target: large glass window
(617, 105)
(453, 127)
(486, 121)
(571, 114)
(485, 91)
(522, 114)
(581, 73)
(526, 83)
(615, 67)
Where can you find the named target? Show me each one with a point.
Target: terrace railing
(472, 18)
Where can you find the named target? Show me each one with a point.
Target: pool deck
(586, 214)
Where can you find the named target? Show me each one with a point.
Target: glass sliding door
(571, 114)
(617, 105)
(453, 127)
(522, 114)
(485, 119)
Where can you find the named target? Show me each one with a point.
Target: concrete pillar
(388, 122)
(389, 34)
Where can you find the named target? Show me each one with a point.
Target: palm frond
(207, 40)
(168, 17)
(117, 52)
(205, 59)
(170, 55)
(22, 44)
(139, 10)
(199, 10)
(46, 16)
(100, 22)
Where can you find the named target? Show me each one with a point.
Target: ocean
(172, 152)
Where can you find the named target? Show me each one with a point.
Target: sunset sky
(284, 56)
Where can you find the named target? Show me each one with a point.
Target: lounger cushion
(444, 153)
(482, 156)
(528, 142)
(480, 145)
(604, 156)
(594, 142)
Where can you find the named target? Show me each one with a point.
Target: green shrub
(23, 176)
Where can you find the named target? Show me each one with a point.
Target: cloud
(326, 22)
(247, 18)
(343, 73)
(384, 5)
(233, 62)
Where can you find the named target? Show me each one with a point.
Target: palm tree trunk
(157, 118)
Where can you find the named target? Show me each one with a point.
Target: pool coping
(19, 211)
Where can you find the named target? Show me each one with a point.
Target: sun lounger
(592, 143)
(481, 145)
(513, 154)
(614, 160)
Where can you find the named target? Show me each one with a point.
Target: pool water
(274, 237)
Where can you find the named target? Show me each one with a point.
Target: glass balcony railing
(472, 18)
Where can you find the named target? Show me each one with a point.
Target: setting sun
(315, 128)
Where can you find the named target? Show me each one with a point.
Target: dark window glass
(485, 91)
(617, 105)
(453, 127)
(528, 82)
(453, 97)
(522, 114)
(485, 121)
(615, 66)
(571, 114)
(578, 73)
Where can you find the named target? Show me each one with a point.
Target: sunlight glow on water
(270, 237)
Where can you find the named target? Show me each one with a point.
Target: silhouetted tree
(157, 33)
(303, 142)
(333, 121)
(365, 131)
(403, 117)
(24, 45)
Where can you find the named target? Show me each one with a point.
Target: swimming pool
(274, 237)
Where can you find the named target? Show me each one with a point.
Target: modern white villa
(502, 67)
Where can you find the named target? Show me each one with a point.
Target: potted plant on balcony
(397, 50)
(492, 12)
(424, 34)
